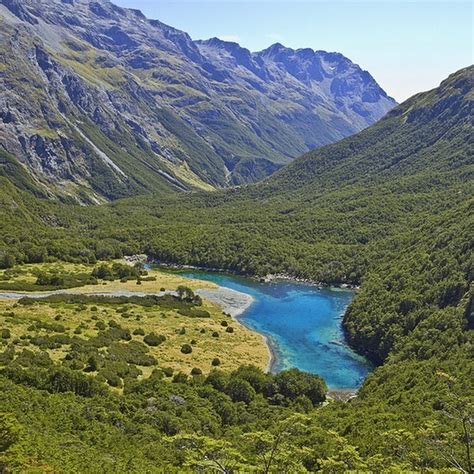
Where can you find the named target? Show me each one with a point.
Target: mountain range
(389, 209)
(98, 102)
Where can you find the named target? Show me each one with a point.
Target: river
(302, 324)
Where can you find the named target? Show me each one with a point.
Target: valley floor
(209, 336)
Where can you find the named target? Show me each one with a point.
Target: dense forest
(389, 209)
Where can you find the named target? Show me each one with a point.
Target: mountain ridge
(389, 209)
(99, 103)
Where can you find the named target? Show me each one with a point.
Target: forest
(389, 209)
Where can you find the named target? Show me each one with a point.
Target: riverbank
(235, 303)
(269, 278)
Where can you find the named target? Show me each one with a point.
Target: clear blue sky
(408, 46)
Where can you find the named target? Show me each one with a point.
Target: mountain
(389, 209)
(98, 102)
(320, 216)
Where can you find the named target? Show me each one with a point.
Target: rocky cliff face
(98, 102)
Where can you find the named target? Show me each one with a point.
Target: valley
(132, 155)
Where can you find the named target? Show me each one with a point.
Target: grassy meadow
(60, 327)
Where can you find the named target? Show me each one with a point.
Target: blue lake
(303, 325)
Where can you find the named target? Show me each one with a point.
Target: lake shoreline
(271, 277)
(333, 344)
(235, 303)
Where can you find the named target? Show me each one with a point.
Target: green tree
(9, 431)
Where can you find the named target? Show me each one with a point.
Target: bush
(194, 313)
(6, 334)
(180, 378)
(216, 361)
(112, 379)
(240, 391)
(253, 375)
(217, 379)
(139, 332)
(9, 431)
(196, 371)
(215, 334)
(156, 374)
(185, 293)
(153, 339)
(186, 349)
(293, 383)
(229, 329)
(168, 371)
(224, 323)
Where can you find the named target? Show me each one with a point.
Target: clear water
(303, 325)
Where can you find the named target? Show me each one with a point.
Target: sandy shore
(235, 303)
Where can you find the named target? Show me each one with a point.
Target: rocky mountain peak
(105, 102)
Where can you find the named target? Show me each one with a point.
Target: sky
(408, 46)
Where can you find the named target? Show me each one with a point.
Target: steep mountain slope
(390, 208)
(322, 215)
(99, 102)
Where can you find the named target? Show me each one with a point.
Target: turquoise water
(303, 324)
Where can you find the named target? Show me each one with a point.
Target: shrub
(100, 325)
(113, 380)
(180, 378)
(224, 323)
(194, 313)
(6, 334)
(253, 375)
(92, 364)
(185, 293)
(229, 329)
(168, 371)
(156, 374)
(215, 334)
(139, 332)
(153, 339)
(217, 379)
(216, 361)
(134, 352)
(186, 349)
(240, 391)
(293, 383)
(196, 371)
